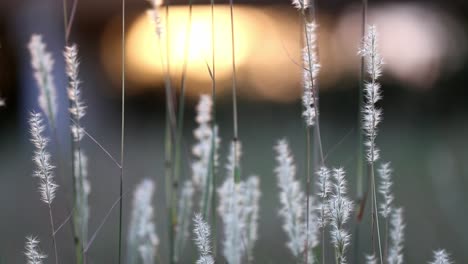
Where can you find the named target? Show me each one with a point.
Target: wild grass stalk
(213, 128)
(235, 139)
(361, 197)
(372, 116)
(44, 170)
(33, 253)
(202, 235)
(122, 134)
(143, 240)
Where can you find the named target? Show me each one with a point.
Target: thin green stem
(235, 139)
(54, 241)
(122, 133)
(213, 129)
(308, 181)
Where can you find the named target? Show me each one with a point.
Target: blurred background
(424, 44)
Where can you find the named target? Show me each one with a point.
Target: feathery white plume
(397, 228)
(300, 4)
(310, 73)
(371, 259)
(291, 198)
(44, 168)
(324, 185)
(251, 208)
(42, 64)
(230, 210)
(201, 230)
(83, 188)
(238, 208)
(183, 217)
(372, 115)
(204, 136)
(153, 14)
(441, 257)
(33, 254)
(340, 210)
(385, 173)
(77, 108)
(2, 102)
(142, 238)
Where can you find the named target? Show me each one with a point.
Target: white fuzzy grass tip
(397, 229)
(201, 231)
(142, 238)
(291, 198)
(441, 257)
(44, 167)
(155, 17)
(184, 215)
(238, 208)
(310, 73)
(77, 108)
(33, 253)
(301, 4)
(42, 64)
(340, 210)
(372, 115)
(202, 150)
(385, 188)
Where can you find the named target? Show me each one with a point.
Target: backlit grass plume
(184, 215)
(142, 238)
(155, 17)
(385, 189)
(44, 167)
(42, 64)
(292, 198)
(33, 253)
(310, 73)
(77, 107)
(372, 115)
(441, 257)
(397, 236)
(201, 231)
(238, 208)
(340, 210)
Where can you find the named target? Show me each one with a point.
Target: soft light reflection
(415, 41)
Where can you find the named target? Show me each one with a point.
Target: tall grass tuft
(372, 116)
(395, 253)
(238, 208)
(201, 231)
(340, 210)
(441, 257)
(33, 253)
(42, 64)
(44, 169)
(142, 238)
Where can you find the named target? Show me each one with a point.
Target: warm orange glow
(145, 52)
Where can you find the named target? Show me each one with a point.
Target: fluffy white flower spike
(340, 210)
(42, 64)
(238, 208)
(385, 173)
(77, 108)
(202, 150)
(33, 254)
(184, 215)
(371, 259)
(441, 257)
(291, 198)
(397, 236)
(310, 73)
(372, 115)
(142, 238)
(44, 168)
(301, 4)
(202, 233)
(155, 17)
